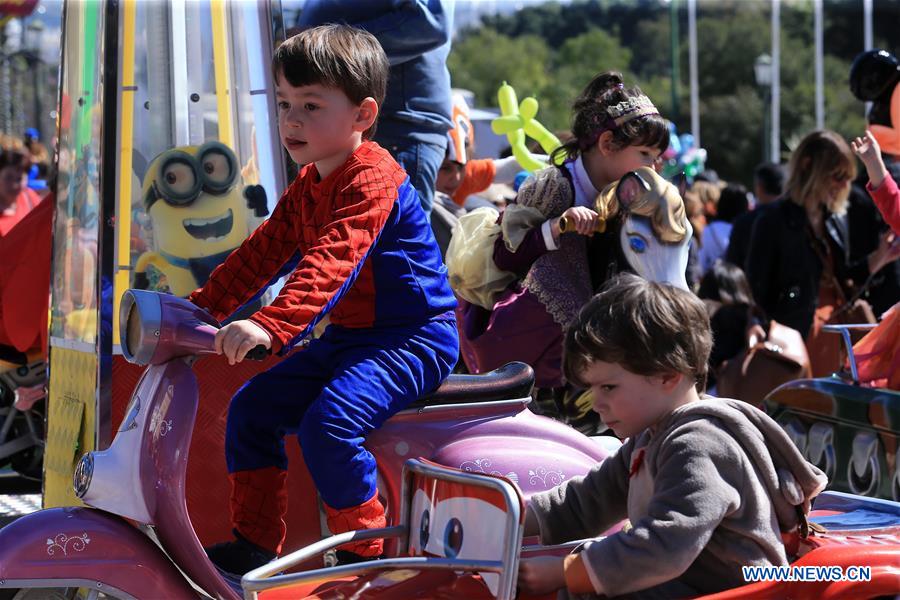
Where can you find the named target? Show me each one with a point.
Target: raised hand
(869, 152)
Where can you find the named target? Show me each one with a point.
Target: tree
(552, 50)
(483, 60)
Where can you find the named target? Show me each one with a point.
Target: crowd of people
(806, 247)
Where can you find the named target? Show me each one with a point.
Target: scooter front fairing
(83, 547)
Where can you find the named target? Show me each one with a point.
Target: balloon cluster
(682, 156)
(518, 120)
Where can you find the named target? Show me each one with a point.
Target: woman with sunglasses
(799, 260)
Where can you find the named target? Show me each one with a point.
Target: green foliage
(485, 59)
(551, 51)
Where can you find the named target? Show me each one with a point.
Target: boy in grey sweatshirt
(707, 484)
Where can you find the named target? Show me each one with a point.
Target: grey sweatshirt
(707, 493)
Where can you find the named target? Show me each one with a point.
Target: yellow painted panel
(222, 70)
(71, 421)
(126, 149)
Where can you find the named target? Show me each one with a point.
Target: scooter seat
(512, 380)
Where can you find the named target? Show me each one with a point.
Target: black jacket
(784, 269)
(739, 240)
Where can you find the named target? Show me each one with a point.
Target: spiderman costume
(368, 257)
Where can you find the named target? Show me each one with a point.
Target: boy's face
(450, 176)
(320, 124)
(628, 403)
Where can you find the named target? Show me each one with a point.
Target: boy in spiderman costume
(366, 256)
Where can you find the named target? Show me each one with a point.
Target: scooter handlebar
(258, 353)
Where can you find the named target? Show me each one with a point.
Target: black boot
(239, 556)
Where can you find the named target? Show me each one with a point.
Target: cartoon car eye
(453, 537)
(424, 528)
(421, 516)
(468, 527)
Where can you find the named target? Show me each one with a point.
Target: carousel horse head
(655, 233)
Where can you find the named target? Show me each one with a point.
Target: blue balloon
(674, 142)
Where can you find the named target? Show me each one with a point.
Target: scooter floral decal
(481, 465)
(548, 478)
(61, 543)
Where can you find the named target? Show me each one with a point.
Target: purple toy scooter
(136, 539)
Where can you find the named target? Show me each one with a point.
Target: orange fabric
(824, 348)
(25, 280)
(25, 203)
(368, 515)
(258, 505)
(577, 580)
(878, 353)
(480, 175)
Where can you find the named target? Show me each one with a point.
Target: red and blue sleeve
(326, 271)
(251, 266)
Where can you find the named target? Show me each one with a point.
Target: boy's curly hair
(646, 327)
(338, 56)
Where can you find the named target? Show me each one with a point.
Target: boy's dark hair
(648, 328)
(589, 116)
(770, 177)
(338, 56)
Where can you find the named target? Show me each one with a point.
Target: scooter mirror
(155, 327)
(139, 313)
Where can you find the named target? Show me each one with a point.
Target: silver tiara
(639, 106)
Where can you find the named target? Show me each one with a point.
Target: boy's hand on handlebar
(236, 339)
(541, 575)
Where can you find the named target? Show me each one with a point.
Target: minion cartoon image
(199, 213)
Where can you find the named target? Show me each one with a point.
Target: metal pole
(819, 65)
(37, 79)
(775, 147)
(867, 37)
(5, 84)
(867, 24)
(765, 132)
(676, 62)
(695, 92)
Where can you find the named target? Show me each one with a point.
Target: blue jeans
(421, 162)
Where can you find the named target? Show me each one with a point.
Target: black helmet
(873, 74)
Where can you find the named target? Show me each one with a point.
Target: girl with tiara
(616, 130)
